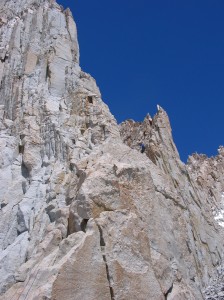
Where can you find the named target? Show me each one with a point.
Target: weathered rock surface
(83, 214)
(216, 288)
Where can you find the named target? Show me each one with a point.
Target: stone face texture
(84, 214)
(83, 274)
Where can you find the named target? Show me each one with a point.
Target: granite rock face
(215, 291)
(83, 214)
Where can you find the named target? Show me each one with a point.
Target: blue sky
(168, 52)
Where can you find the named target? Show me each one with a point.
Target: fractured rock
(84, 214)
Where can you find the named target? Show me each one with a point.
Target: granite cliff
(83, 214)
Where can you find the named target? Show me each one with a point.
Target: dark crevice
(71, 167)
(20, 232)
(102, 244)
(21, 224)
(21, 149)
(24, 170)
(3, 205)
(26, 175)
(4, 59)
(84, 224)
(104, 131)
(90, 99)
(68, 230)
(75, 224)
(108, 278)
(50, 210)
(48, 72)
(188, 247)
(168, 292)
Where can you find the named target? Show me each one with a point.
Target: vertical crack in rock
(48, 72)
(168, 292)
(102, 245)
(21, 222)
(84, 224)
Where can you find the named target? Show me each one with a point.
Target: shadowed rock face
(83, 214)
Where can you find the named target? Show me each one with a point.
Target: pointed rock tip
(159, 108)
(68, 12)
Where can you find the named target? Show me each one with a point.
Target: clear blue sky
(144, 52)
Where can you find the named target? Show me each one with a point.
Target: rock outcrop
(83, 214)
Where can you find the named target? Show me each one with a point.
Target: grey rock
(84, 214)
